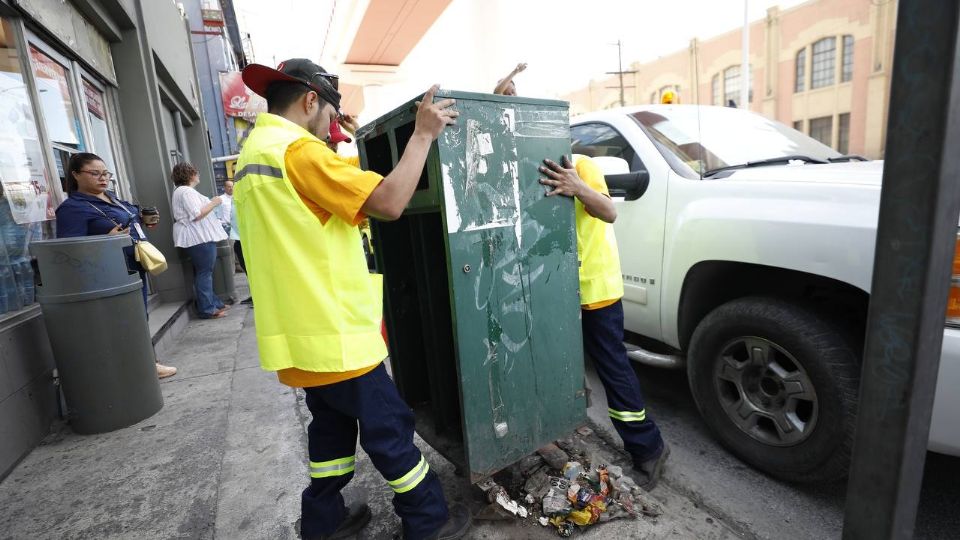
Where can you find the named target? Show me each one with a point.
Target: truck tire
(777, 384)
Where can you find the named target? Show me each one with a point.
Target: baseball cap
(258, 78)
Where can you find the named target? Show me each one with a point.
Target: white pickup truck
(747, 250)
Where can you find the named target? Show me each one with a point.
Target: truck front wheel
(777, 384)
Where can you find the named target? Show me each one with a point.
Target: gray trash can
(223, 270)
(93, 310)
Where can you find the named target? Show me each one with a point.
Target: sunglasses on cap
(332, 78)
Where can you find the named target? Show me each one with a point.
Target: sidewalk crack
(226, 438)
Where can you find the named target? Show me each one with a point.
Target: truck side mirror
(630, 186)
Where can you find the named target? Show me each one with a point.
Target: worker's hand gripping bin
(481, 288)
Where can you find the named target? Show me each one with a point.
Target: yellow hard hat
(669, 97)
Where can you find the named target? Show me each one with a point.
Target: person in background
(506, 86)
(197, 230)
(225, 210)
(238, 247)
(601, 288)
(90, 209)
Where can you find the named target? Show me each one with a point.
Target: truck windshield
(698, 139)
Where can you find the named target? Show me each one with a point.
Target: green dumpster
(93, 309)
(481, 289)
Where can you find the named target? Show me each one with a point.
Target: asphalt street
(759, 505)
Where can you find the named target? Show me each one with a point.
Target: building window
(824, 63)
(24, 201)
(100, 132)
(653, 98)
(715, 94)
(731, 84)
(821, 129)
(846, 74)
(59, 111)
(798, 125)
(843, 133)
(801, 71)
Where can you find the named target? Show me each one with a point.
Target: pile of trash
(568, 491)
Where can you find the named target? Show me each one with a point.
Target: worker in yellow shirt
(318, 309)
(601, 288)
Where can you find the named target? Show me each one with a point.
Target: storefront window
(23, 178)
(96, 115)
(59, 112)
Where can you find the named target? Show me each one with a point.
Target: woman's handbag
(149, 257)
(145, 253)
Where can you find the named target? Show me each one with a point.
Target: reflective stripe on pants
(412, 479)
(628, 416)
(335, 467)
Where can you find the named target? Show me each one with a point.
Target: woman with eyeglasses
(92, 209)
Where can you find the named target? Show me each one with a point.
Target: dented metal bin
(481, 289)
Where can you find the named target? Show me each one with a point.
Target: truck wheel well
(710, 284)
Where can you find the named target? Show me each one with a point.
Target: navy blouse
(83, 215)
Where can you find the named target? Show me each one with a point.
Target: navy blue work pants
(603, 341)
(370, 406)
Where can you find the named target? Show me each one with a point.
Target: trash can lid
(86, 264)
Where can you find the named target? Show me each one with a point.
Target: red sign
(238, 100)
(94, 100)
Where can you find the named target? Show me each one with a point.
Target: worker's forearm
(397, 188)
(598, 205)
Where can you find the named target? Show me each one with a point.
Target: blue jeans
(603, 341)
(204, 257)
(143, 291)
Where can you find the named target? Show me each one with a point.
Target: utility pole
(620, 72)
(916, 237)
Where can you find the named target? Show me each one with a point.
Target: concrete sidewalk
(226, 458)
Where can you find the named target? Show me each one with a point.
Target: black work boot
(456, 526)
(652, 469)
(358, 515)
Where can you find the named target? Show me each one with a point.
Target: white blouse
(187, 204)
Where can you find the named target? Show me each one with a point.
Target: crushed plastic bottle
(572, 470)
(604, 488)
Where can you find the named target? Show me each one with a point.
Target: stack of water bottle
(16, 273)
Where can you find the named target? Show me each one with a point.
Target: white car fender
(784, 225)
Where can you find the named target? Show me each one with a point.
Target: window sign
(59, 112)
(100, 132)
(23, 173)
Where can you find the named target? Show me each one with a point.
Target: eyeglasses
(100, 174)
